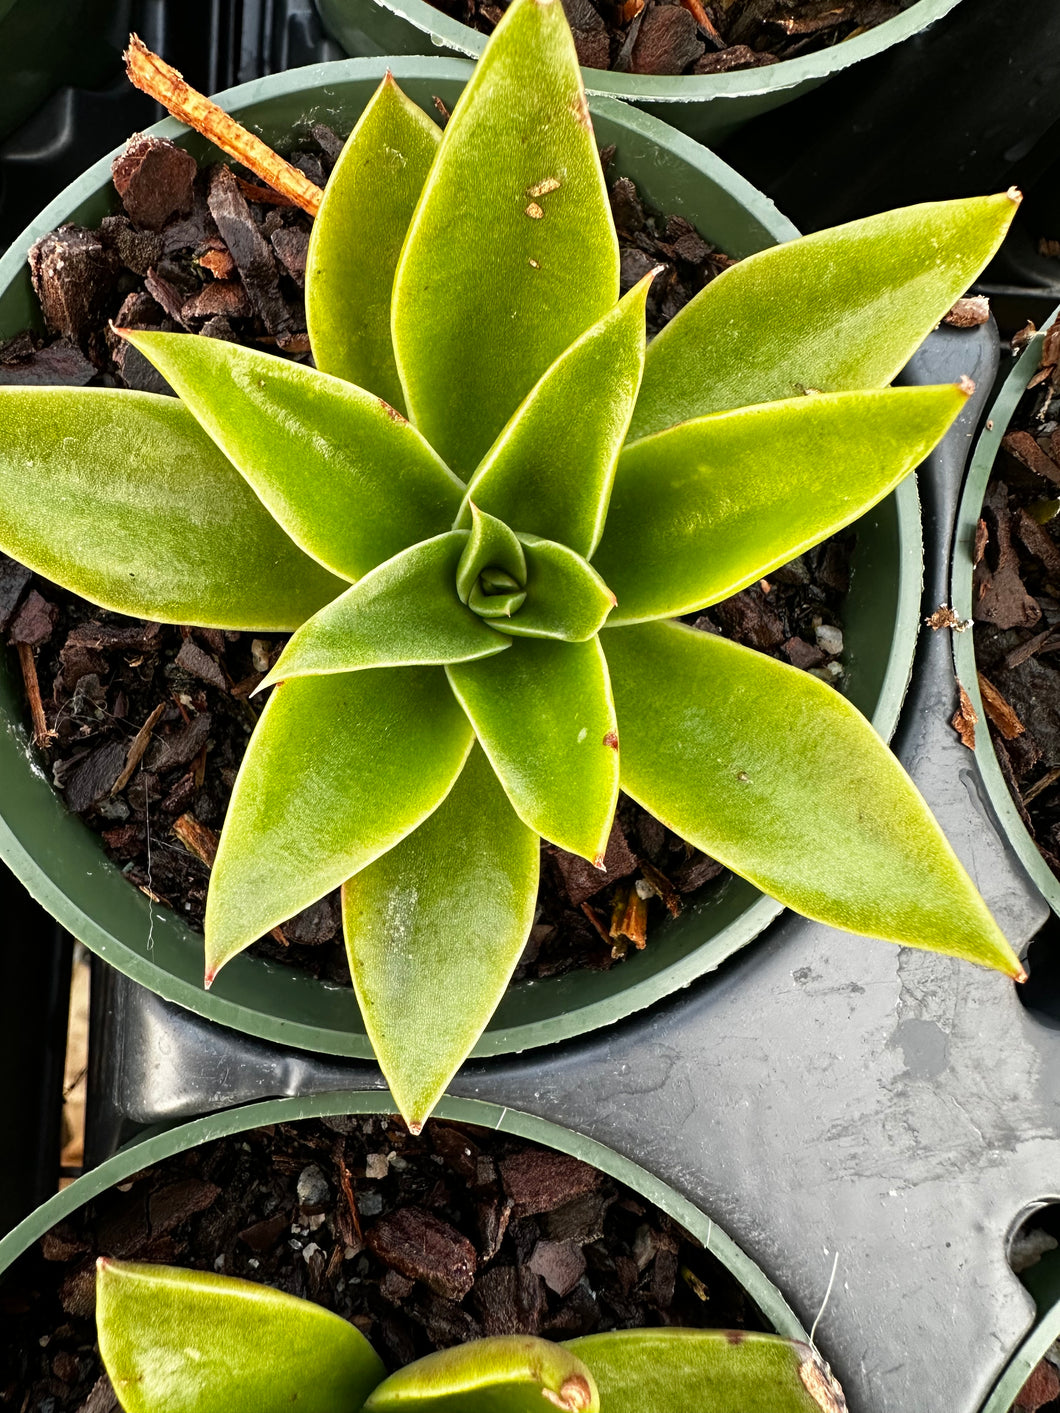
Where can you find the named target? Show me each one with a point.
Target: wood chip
(197, 837)
(964, 719)
(154, 178)
(424, 1248)
(162, 82)
(137, 747)
(1028, 453)
(1040, 786)
(540, 1180)
(999, 711)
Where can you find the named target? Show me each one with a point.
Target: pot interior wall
(971, 508)
(62, 862)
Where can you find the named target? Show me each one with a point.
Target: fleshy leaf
(777, 776)
(357, 238)
(725, 1371)
(504, 1374)
(706, 508)
(842, 309)
(346, 476)
(339, 769)
(193, 1342)
(490, 546)
(550, 471)
(511, 254)
(468, 873)
(402, 613)
(122, 498)
(565, 596)
(547, 722)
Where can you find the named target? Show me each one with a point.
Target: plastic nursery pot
(63, 864)
(44, 46)
(709, 106)
(1043, 1282)
(968, 516)
(133, 1159)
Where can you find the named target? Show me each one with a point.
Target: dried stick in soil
(163, 83)
(41, 735)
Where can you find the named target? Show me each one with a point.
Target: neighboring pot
(707, 106)
(982, 463)
(1043, 1281)
(141, 1155)
(62, 862)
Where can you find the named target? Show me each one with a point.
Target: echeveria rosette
(180, 1341)
(481, 594)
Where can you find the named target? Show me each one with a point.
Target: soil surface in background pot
(420, 1242)
(690, 37)
(1016, 604)
(150, 722)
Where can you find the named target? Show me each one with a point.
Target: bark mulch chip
(1016, 607)
(400, 1235)
(695, 36)
(149, 724)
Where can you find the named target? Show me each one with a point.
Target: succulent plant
(179, 1341)
(481, 513)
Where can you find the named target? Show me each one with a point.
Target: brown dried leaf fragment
(137, 746)
(629, 916)
(964, 719)
(944, 617)
(1028, 453)
(969, 312)
(999, 711)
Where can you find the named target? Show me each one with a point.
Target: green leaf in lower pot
(177, 1341)
(707, 1371)
(504, 1374)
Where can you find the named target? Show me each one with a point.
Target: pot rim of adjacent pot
(62, 863)
(968, 515)
(694, 88)
(157, 1145)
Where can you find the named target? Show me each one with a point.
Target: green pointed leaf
(547, 723)
(706, 508)
(565, 597)
(194, 1342)
(403, 613)
(780, 778)
(490, 546)
(357, 238)
(434, 930)
(835, 311)
(339, 769)
(723, 1371)
(511, 254)
(123, 499)
(550, 471)
(505, 1374)
(346, 476)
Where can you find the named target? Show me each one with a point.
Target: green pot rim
(686, 88)
(1043, 1282)
(286, 1006)
(982, 463)
(146, 1151)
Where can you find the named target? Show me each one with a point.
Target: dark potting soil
(421, 1242)
(695, 36)
(148, 722)
(1016, 604)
